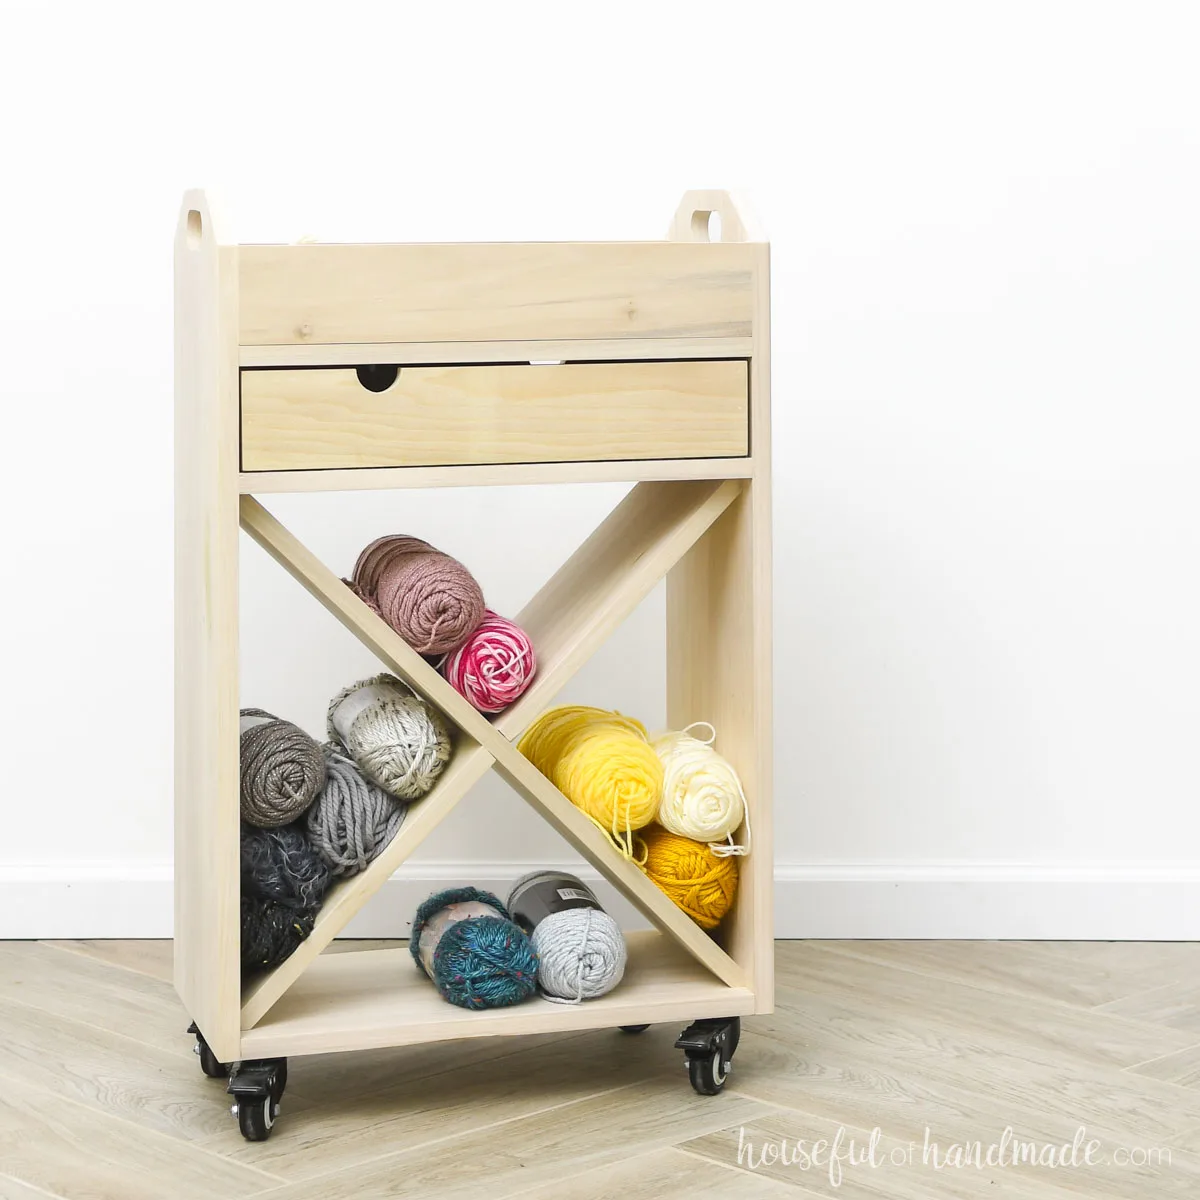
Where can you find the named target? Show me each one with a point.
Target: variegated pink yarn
(493, 666)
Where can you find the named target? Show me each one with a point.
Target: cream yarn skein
(702, 796)
(398, 741)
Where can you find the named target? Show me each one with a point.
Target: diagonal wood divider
(573, 614)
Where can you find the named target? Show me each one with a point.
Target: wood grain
(308, 294)
(379, 999)
(353, 354)
(325, 419)
(963, 1038)
(207, 923)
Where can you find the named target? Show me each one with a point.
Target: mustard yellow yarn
(603, 763)
(700, 882)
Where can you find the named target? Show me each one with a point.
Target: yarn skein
(430, 599)
(698, 881)
(352, 819)
(463, 940)
(493, 666)
(283, 881)
(398, 741)
(282, 769)
(580, 949)
(271, 932)
(283, 866)
(702, 796)
(603, 763)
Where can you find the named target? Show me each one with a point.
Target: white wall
(987, 296)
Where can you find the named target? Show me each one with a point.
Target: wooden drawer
(326, 418)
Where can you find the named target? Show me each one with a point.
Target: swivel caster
(633, 1028)
(709, 1045)
(257, 1088)
(209, 1063)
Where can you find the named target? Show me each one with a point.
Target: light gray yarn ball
(352, 819)
(581, 954)
(398, 741)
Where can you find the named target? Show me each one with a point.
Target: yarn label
(431, 932)
(252, 720)
(349, 710)
(534, 898)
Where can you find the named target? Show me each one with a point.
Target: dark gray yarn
(271, 932)
(352, 819)
(281, 865)
(282, 769)
(284, 880)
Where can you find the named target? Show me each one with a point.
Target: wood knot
(303, 332)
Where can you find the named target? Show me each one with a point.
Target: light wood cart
(304, 368)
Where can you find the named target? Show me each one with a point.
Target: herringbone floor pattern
(101, 1096)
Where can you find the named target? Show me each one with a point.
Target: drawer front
(325, 418)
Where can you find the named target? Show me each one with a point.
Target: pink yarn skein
(493, 666)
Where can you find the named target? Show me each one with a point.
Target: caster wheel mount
(708, 1046)
(256, 1086)
(209, 1063)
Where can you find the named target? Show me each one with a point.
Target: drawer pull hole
(377, 377)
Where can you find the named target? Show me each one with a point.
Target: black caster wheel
(209, 1063)
(633, 1028)
(256, 1086)
(256, 1118)
(708, 1046)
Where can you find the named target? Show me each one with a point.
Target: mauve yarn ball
(282, 769)
(430, 599)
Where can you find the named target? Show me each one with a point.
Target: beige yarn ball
(398, 741)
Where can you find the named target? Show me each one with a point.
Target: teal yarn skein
(476, 956)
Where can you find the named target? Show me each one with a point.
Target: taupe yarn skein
(398, 741)
(430, 599)
(282, 769)
(352, 820)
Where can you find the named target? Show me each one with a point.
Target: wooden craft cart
(313, 368)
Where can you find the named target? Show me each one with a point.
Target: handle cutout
(195, 229)
(377, 377)
(706, 225)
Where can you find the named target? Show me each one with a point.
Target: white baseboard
(1064, 901)
(1023, 901)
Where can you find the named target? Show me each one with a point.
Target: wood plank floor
(954, 1042)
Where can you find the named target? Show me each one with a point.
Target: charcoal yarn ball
(282, 769)
(284, 880)
(477, 962)
(271, 932)
(281, 865)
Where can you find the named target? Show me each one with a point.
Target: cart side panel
(207, 926)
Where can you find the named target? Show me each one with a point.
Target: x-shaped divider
(570, 617)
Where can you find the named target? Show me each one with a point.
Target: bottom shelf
(374, 998)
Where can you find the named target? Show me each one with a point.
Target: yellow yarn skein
(603, 763)
(700, 882)
(702, 795)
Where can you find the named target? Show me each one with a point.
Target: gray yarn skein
(581, 955)
(282, 769)
(398, 741)
(352, 820)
